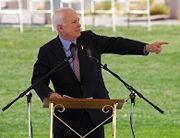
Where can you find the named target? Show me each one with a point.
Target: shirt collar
(66, 43)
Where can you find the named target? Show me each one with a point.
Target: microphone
(88, 51)
(68, 58)
(84, 46)
(73, 50)
(89, 54)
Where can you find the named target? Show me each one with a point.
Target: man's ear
(60, 27)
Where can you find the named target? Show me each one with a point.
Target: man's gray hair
(58, 18)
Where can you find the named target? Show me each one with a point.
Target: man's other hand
(155, 47)
(55, 95)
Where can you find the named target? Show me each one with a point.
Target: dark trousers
(99, 133)
(82, 124)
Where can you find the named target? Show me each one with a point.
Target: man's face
(71, 29)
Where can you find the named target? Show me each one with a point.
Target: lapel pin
(82, 47)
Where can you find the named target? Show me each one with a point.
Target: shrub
(159, 9)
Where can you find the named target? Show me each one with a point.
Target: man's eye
(74, 21)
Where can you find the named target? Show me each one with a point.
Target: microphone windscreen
(73, 50)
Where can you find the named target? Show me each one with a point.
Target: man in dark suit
(81, 77)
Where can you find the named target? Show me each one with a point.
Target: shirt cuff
(145, 51)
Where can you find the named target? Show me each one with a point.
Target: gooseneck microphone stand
(129, 87)
(59, 66)
(133, 92)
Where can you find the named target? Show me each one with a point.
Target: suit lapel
(59, 53)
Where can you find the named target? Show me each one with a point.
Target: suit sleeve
(118, 45)
(41, 68)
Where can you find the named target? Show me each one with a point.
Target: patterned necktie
(76, 66)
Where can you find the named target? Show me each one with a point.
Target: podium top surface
(83, 103)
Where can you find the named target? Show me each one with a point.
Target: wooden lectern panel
(83, 103)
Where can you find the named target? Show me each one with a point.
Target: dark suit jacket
(65, 81)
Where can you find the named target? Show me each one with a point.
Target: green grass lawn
(157, 77)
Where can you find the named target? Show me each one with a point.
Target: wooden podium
(83, 103)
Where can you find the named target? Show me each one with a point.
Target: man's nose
(79, 24)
